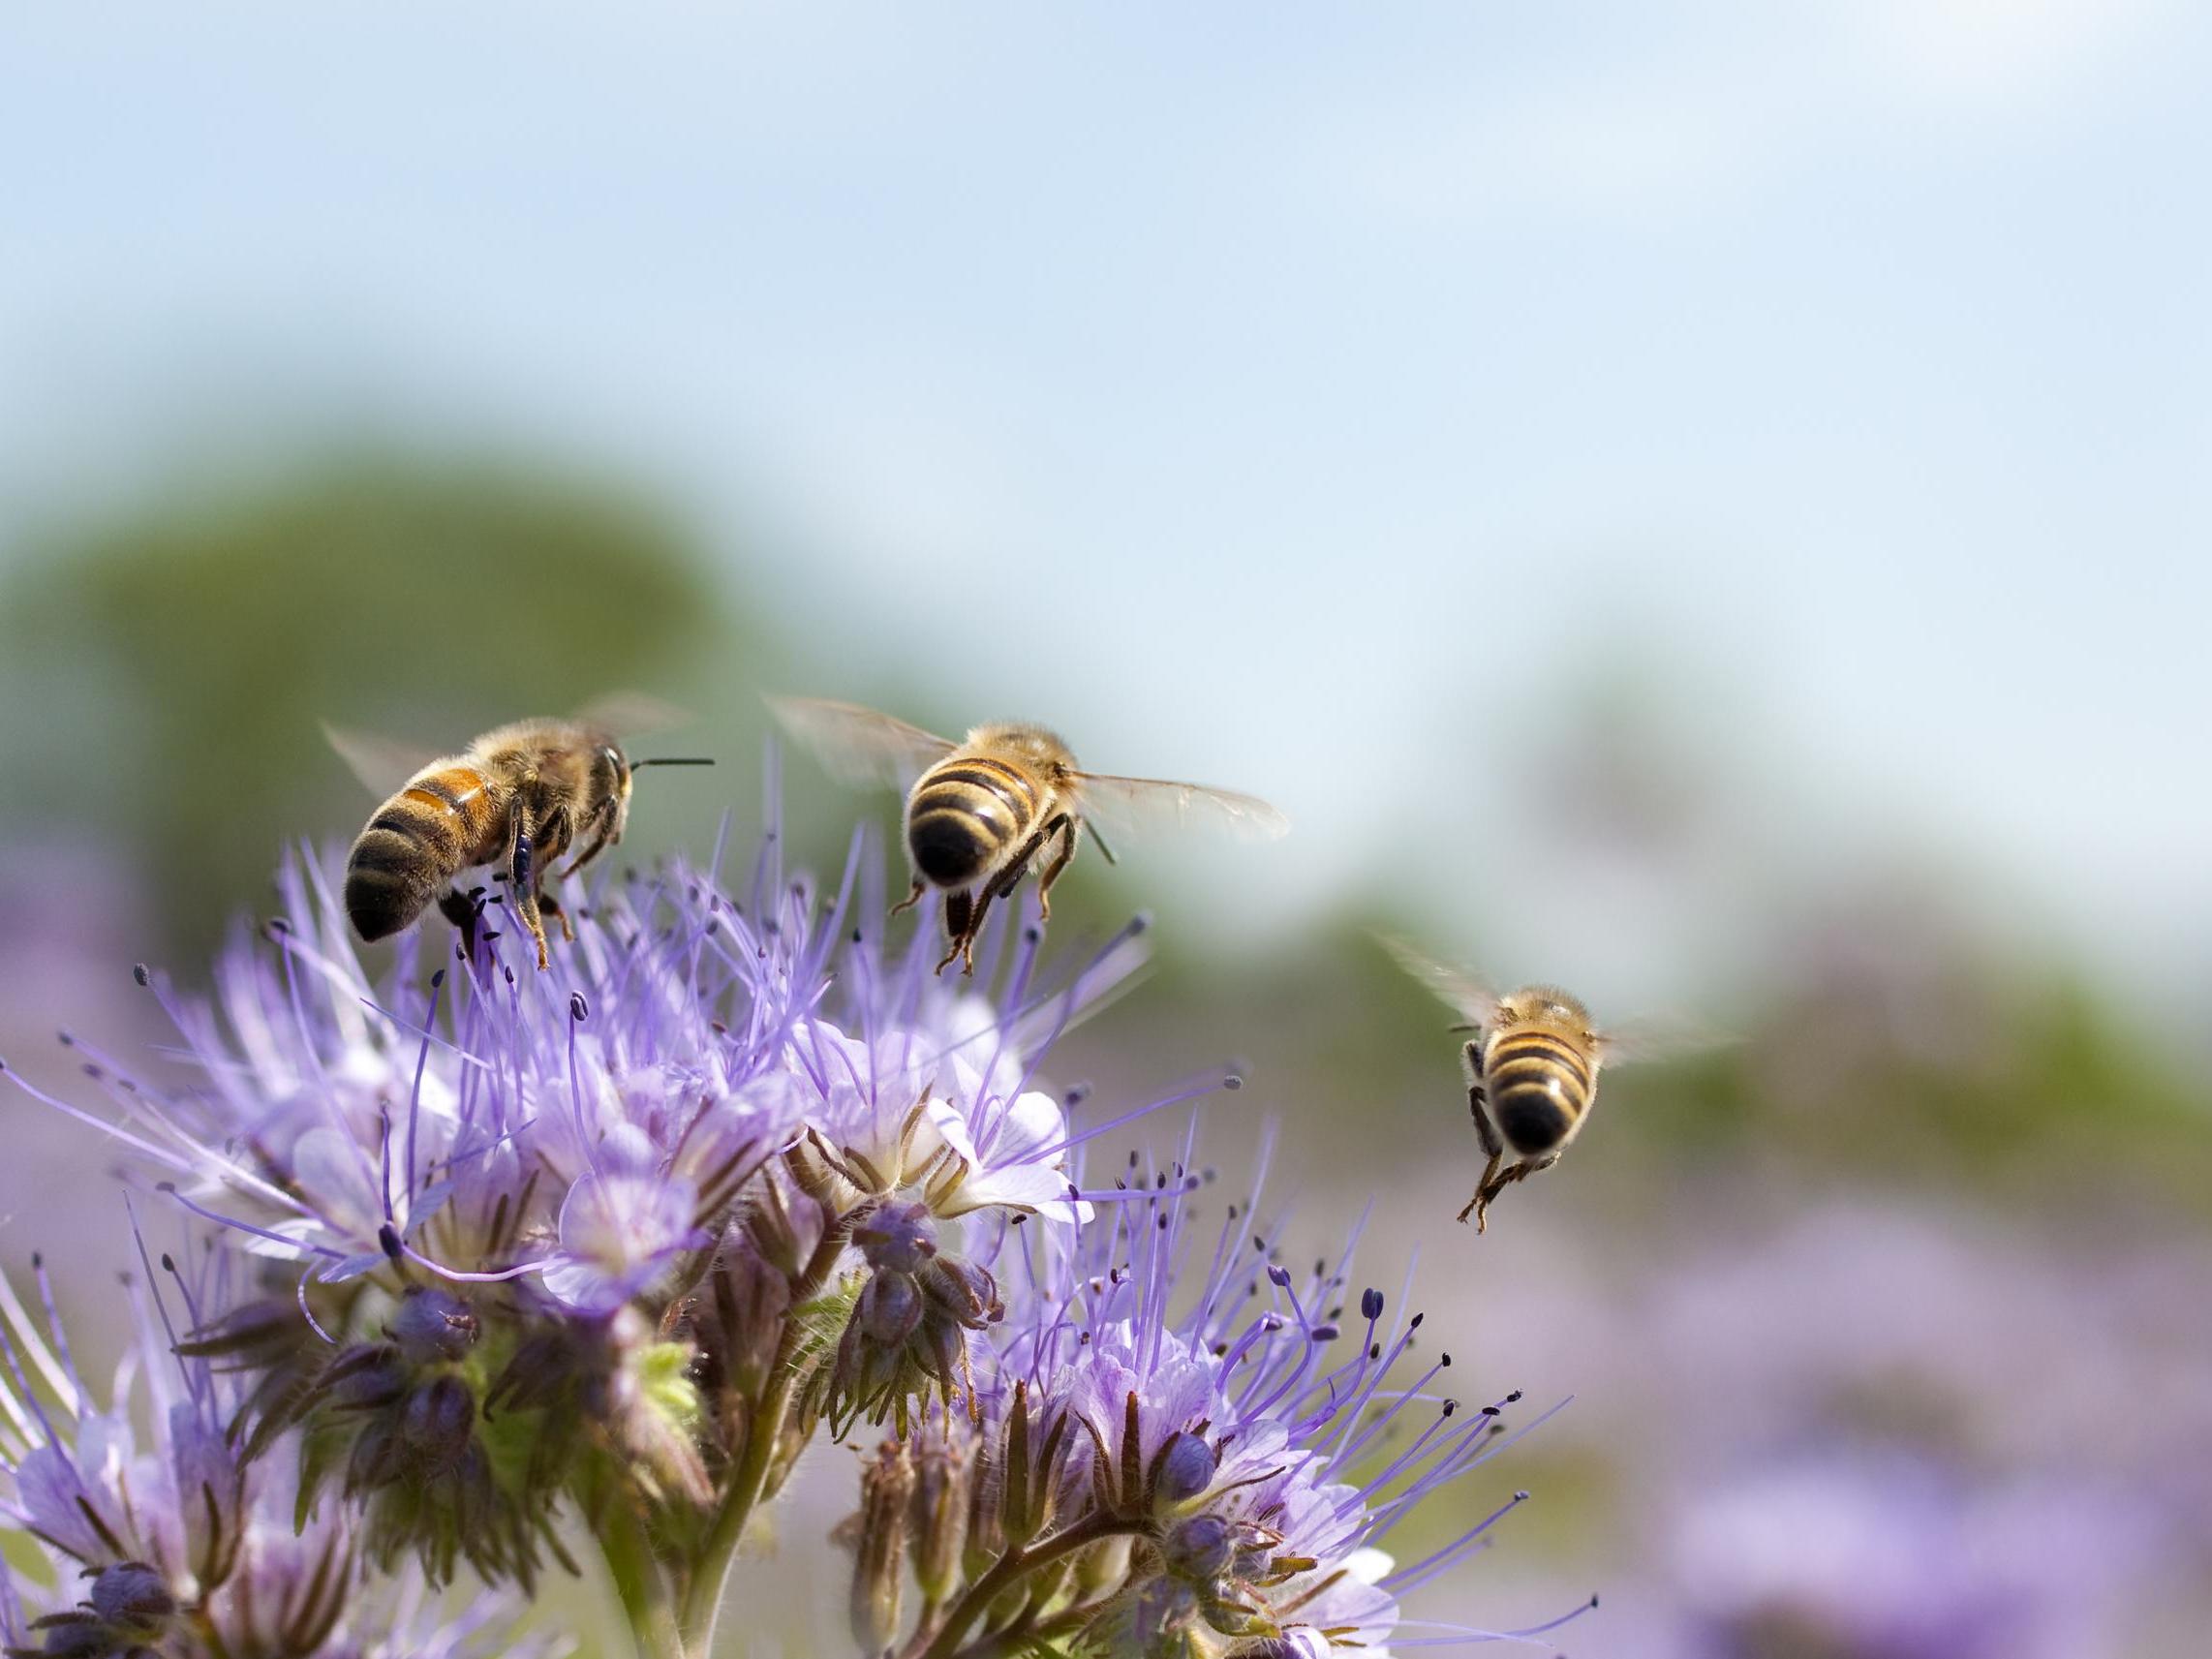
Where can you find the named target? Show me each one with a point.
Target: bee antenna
(674, 761)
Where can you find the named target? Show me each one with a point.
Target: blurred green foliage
(166, 676)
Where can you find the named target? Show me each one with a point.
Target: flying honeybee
(519, 797)
(981, 810)
(1532, 1069)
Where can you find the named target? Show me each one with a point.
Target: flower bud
(432, 1326)
(135, 1601)
(1199, 1550)
(1185, 1468)
(886, 1490)
(440, 1422)
(899, 1238)
(890, 1309)
(940, 1516)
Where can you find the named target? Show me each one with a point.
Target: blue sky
(1356, 379)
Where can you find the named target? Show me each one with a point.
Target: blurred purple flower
(1874, 1553)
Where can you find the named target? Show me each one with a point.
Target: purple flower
(1870, 1551)
(177, 1543)
(611, 1243)
(1211, 1429)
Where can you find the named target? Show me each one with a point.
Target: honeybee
(519, 796)
(1532, 1069)
(981, 810)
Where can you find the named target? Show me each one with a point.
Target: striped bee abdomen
(436, 827)
(965, 814)
(1539, 1086)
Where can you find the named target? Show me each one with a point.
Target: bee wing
(1127, 805)
(1461, 991)
(1658, 1038)
(381, 763)
(859, 746)
(625, 714)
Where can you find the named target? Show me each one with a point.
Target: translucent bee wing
(859, 746)
(625, 714)
(1659, 1038)
(1474, 1000)
(381, 763)
(1132, 805)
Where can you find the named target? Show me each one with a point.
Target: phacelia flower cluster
(156, 1534)
(515, 1269)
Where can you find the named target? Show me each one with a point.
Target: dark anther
(578, 1008)
(1371, 1304)
(169, 1263)
(437, 979)
(1278, 1276)
(387, 1238)
(139, 972)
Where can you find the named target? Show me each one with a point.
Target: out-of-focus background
(1707, 503)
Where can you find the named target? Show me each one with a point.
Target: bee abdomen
(1539, 1086)
(964, 816)
(418, 842)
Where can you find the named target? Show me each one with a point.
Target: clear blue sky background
(1357, 375)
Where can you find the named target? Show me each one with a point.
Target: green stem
(641, 1584)
(1024, 1637)
(710, 1569)
(1007, 1569)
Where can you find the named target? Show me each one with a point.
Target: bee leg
(965, 945)
(522, 875)
(1491, 1187)
(524, 902)
(602, 839)
(911, 899)
(958, 916)
(1065, 827)
(1477, 1101)
(465, 910)
(551, 906)
(1486, 1190)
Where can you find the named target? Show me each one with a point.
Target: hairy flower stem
(642, 1586)
(710, 1571)
(1001, 1575)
